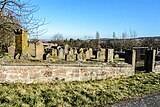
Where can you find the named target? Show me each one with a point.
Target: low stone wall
(33, 74)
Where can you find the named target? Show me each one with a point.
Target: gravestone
(54, 53)
(61, 53)
(130, 57)
(109, 55)
(116, 56)
(39, 50)
(75, 51)
(150, 60)
(87, 55)
(70, 56)
(102, 54)
(66, 49)
(48, 57)
(71, 51)
(21, 41)
(11, 50)
(90, 52)
(81, 55)
(81, 50)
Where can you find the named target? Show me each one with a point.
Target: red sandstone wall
(29, 74)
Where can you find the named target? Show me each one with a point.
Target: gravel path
(152, 100)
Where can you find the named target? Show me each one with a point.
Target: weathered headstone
(81, 55)
(11, 50)
(87, 55)
(61, 53)
(102, 54)
(75, 51)
(21, 41)
(39, 50)
(71, 52)
(66, 49)
(71, 56)
(109, 55)
(150, 60)
(54, 53)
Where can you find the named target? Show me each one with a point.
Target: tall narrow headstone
(11, 50)
(87, 55)
(66, 49)
(150, 60)
(39, 50)
(61, 53)
(109, 55)
(21, 42)
(102, 54)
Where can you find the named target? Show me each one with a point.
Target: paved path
(152, 100)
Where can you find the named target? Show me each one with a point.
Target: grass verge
(86, 93)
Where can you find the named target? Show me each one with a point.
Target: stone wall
(33, 74)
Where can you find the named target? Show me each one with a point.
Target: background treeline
(116, 44)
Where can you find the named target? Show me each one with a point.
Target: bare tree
(57, 37)
(17, 14)
(133, 34)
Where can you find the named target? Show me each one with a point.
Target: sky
(77, 18)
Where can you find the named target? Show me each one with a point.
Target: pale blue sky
(76, 18)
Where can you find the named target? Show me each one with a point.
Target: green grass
(84, 93)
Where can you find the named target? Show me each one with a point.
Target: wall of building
(34, 74)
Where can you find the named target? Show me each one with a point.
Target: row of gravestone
(42, 51)
(74, 54)
(149, 60)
